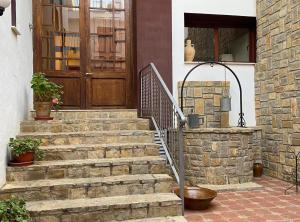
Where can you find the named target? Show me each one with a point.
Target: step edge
(103, 161)
(76, 181)
(87, 133)
(80, 121)
(106, 202)
(95, 146)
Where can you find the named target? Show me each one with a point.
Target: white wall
(221, 7)
(15, 75)
(245, 72)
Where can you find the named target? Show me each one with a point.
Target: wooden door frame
(131, 46)
(84, 25)
(36, 17)
(131, 99)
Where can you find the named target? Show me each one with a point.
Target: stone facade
(203, 98)
(100, 165)
(221, 156)
(278, 83)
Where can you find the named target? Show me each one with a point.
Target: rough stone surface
(203, 98)
(85, 168)
(99, 151)
(99, 166)
(92, 137)
(91, 114)
(220, 156)
(88, 187)
(278, 84)
(57, 126)
(118, 208)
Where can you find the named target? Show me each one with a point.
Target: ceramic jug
(189, 51)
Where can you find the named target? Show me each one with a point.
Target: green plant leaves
(24, 145)
(44, 90)
(13, 209)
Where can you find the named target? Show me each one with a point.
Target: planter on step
(43, 110)
(47, 95)
(25, 151)
(24, 159)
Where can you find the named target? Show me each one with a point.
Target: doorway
(86, 46)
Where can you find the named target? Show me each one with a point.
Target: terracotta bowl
(197, 198)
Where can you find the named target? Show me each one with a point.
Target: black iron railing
(158, 104)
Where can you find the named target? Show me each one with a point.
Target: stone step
(93, 137)
(90, 114)
(160, 219)
(87, 168)
(61, 189)
(97, 151)
(118, 208)
(57, 126)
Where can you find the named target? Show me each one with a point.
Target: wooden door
(85, 46)
(109, 82)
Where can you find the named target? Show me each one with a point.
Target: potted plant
(46, 95)
(13, 210)
(25, 151)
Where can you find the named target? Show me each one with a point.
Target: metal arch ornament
(241, 122)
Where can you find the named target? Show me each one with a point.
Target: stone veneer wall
(220, 156)
(203, 97)
(278, 83)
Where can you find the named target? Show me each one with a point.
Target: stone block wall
(278, 83)
(203, 97)
(220, 156)
(257, 144)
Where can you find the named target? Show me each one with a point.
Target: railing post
(151, 91)
(160, 109)
(181, 161)
(140, 93)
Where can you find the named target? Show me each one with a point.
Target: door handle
(89, 73)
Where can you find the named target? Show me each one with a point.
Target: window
(222, 38)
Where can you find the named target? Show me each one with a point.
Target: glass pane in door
(60, 35)
(108, 35)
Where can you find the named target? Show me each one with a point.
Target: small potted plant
(13, 210)
(25, 151)
(46, 95)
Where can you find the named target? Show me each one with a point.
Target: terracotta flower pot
(43, 110)
(257, 169)
(25, 157)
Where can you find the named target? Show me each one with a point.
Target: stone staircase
(99, 166)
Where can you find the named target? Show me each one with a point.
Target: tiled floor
(267, 204)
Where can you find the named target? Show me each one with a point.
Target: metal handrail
(158, 104)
